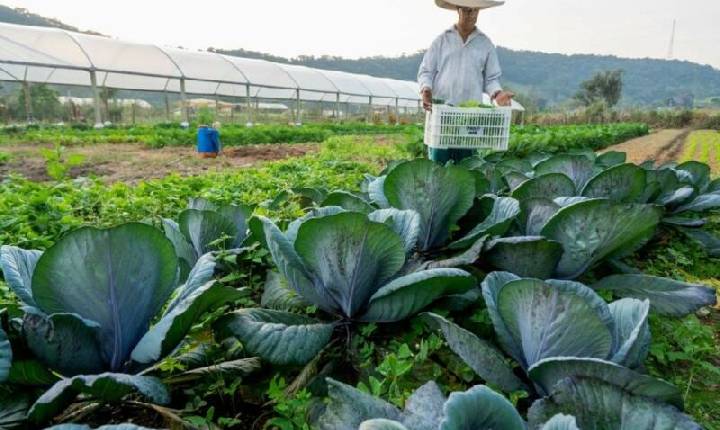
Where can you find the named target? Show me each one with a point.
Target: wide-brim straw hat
(454, 4)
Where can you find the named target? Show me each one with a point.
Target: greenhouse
(58, 57)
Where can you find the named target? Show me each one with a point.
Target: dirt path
(134, 162)
(661, 146)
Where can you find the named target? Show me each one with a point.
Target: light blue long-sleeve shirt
(457, 71)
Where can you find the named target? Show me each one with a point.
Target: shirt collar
(473, 35)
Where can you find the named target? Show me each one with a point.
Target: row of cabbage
(102, 308)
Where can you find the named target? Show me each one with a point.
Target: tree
(45, 103)
(603, 86)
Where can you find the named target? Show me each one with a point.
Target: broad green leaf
(520, 165)
(491, 286)
(515, 179)
(119, 278)
(705, 239)
(310, 196)
(424, 408)
(624, 183)
(535, 213)
(576, 167)
(350, 256)
(699, 173)
(184, 249)
(549, 186)
(526, 256)
(166, 334)
(547, 373)
(561, 422)
(66, 343)
(405, 223)
(684, 222)
(291, 266)
(200, 275)
(504, 212)
(631, 332)
(675, 197)
(30, 373)
(440, 195)
(466, 258)
(207, 230)
(347, 201)
(567, 201)
(555, 319)
(5, 356)
(376, 192)
(239, 216)
(482, 357)
(667, 296)
(277, 337)
(109, 387)
(278, 295)
(480, 408)
(381, 424)
(294, 226)
(13, 408)
(349, 407)
(701, 203)
(17, 267)
(610, 159)
(593, 230)
(201, 204)
(714, 186)
(411, 293)
(227, 369)
(602, 406)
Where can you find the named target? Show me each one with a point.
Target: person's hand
(427, 99)
(504, 98)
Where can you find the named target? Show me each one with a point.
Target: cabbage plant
(426, 409)
(90, 302)
(582, 354)
(5, 356)
(352, 267)
(204, 227)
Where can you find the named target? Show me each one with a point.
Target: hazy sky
(357, 28)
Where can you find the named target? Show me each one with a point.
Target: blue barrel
(208, 140)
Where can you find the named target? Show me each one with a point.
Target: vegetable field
(359, 287)
(704, 146)
(524, 138)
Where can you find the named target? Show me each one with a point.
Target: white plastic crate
(468, 128)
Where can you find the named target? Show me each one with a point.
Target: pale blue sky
(627, 28)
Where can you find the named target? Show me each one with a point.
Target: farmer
(461, 65)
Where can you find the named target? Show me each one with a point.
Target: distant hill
(546, 79)
(22, 16)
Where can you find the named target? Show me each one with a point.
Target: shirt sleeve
(492, 73)
(428, 68)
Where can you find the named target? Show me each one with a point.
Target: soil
(134, 162)
(661, 146)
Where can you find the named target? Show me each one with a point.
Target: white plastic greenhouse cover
(55, 56)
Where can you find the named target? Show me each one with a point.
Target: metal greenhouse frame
(55, 56)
